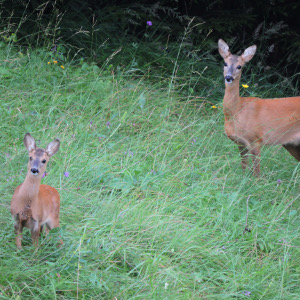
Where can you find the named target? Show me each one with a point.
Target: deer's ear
(223, 49)
(53, 147)
(249, 53)
(29, 142)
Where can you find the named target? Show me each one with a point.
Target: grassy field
(155, 205)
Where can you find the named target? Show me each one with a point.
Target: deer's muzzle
(229, 79)
(34, 171)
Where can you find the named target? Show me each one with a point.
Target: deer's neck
(232, 101)
(26, 197)
(30, 188)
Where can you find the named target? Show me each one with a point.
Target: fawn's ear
(53, 147)
(29, 142)
(248, 53)
(223, 49)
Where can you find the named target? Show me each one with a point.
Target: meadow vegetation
(154, 204)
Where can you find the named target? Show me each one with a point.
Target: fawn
(252, 122)
(33, 204)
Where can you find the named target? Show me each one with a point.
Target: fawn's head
(233, 63)
(38, 158)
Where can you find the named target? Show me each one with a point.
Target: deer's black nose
(34, 171)
(229, 78)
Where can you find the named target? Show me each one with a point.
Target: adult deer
(33, 204)
(252, 122)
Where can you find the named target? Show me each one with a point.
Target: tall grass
(156, 204)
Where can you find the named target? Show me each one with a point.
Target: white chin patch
(35, 174)
(229, 82)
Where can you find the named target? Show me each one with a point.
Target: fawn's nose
(229, 78)
(34, 171)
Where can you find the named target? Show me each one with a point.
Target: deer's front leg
(256, 159)
(243, 152)
(18, 231)
(35, 232)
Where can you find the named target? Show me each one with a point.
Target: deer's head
(38, 158)
(233, 64)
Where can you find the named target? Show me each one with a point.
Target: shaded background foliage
(98, 30)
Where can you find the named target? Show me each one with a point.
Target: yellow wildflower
(62, 67)
(213, 106)
(55, 61)
(245, 86)
(49, 62)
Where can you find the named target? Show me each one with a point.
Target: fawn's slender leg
(18, 231)
(51, 225)
(35, 232)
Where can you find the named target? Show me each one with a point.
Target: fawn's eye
(44, 161)
(239, 67)
(30, 158)
(225, 64)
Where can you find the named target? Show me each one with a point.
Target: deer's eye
(30, 158)
(239, 67)
(44, 161)
(225, 64)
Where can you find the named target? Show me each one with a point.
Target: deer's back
(51, 199)
(273, 121)
(46, 204)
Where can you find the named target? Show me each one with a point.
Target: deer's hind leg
(294, 150)
(54, 223)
